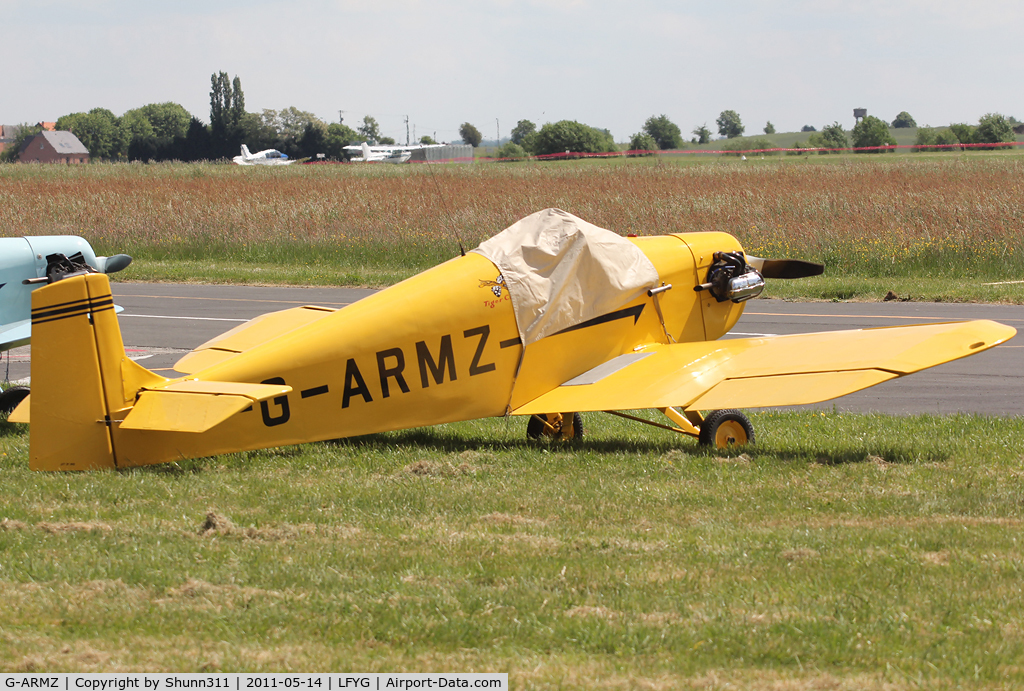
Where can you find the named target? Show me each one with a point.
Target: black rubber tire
(714, 421)
(10, 398)
(577, 426)
(535, 428)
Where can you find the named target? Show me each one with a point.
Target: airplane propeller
(738, 277)
(785, 268)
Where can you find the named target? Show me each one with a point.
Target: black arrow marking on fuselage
(633, 311)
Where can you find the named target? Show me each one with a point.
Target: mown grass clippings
(633, 559)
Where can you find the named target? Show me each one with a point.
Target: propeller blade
(785, 268)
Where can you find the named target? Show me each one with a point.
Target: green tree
(572, 136)
(993, 128)
(904, 119)
(947, 139)
(258, 134)
(665, 132)
(291, 123)
(24, 131)
(924, 141)
(237, 102)
(769, 128)
(168, 119)
(470, 134)
(151, 132)
(965, 134)
(338, 137)
(929, 139)
(227, 111)
(511, 151)
(427, 139)
(750, 144)
(522, 130)
(729, 124)
(313, 140)
(197, 144)
(98, 131)
(220, 104)
(369, 130)
(134, 128)
(831, 137)
(643, 143)
(808, 128)
(872, 132)
(702, 135)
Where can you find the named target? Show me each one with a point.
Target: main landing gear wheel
(725, 428)
(561, 426)
(10, 398)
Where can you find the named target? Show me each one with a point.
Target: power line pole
(407, 130)
(497, 132)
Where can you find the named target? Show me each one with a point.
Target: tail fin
(245, 152)
(366, 151)
(85, 390)
(80, 375)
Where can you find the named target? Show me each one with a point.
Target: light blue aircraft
(23, 262)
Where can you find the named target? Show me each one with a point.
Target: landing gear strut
(561, 426)
(719, 428)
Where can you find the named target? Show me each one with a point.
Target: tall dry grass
(962, 216)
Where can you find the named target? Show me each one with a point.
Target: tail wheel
(10, 398)
(561, 426)
(725, 428)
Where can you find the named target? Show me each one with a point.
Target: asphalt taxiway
(163, 321)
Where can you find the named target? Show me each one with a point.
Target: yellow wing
(758, 372)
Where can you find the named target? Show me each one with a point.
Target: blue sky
(494, 62)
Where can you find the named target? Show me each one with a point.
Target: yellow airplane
(551, 317)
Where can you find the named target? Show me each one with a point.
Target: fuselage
(267, 157)
(439, 347)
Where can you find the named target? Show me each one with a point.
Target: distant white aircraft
(383, 154)
(267, 157)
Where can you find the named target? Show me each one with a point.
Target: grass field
(840, 552)
(932, 227)
(844, 551)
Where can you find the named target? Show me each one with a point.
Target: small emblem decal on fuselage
(497, 287)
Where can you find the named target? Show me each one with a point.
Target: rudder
(80, 375)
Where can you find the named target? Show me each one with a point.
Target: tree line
(166, 131)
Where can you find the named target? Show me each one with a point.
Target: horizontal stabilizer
(196, 406)
(774, 371)
(249, 335)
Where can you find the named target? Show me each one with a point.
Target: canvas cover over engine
(561, 271)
